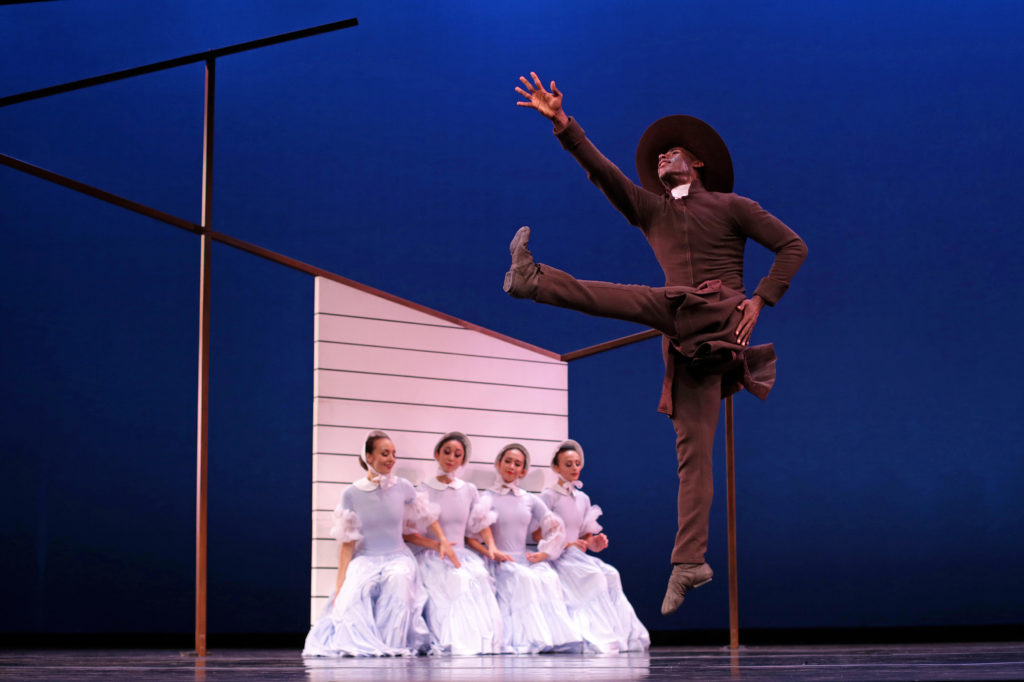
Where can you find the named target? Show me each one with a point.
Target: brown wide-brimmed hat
(696, 137)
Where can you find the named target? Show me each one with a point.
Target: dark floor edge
(835, 635)
(659, 638)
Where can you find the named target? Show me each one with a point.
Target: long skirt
(600, 610)
(462, 611)
(533, 609)
(377, 612)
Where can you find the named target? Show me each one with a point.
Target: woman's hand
(597, 542)
(535, 557)
(444, 549)
(578, 543)
(500, 556)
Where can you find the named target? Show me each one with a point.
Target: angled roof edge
(437, 313)
(287, 261)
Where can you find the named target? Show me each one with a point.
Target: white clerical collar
(502, 488)
(681, 191)
(382, 481)
(440, 485)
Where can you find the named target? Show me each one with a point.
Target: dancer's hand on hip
(751, 309)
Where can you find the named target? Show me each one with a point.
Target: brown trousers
(696, 396)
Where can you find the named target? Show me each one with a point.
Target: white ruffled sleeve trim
(419, 514)
(345, 525)
(552, 529)
(480, 516)
(590, 524)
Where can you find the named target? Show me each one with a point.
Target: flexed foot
(521, 279)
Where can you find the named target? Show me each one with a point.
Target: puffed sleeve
(345, 525)
(590, 524)
(420, 512)
(552, 530)
(480, 515)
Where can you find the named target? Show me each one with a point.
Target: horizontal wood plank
(441, 365)
(397, 416)
(394, 334)
(360, 386)
(316, 607)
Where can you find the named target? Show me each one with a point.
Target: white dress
(529, 595)
(462, 611)
(593, 589)
(379, 609)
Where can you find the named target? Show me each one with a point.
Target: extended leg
(631, 302)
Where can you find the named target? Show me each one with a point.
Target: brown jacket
(698, 240)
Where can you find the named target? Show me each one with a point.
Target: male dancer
(697, 229)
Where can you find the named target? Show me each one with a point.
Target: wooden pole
(730, 474)
(204, 362)
(610, 345)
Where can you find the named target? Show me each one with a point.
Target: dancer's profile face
(382, 459)
(512, 465)
(450, 455)
(569, 465)
(676, 166)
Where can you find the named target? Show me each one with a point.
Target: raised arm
(634, 202)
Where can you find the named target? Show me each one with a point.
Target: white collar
(382, 481)
(502, 488)
(680, 191)
(438, 485)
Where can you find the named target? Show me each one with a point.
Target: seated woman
(376, 608)
(592, 588)
(461, 612)
(529, 593)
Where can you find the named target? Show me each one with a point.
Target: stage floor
(1000, 661)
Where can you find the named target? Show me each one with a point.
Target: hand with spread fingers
(548, 104)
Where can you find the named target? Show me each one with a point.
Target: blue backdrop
(880, 484)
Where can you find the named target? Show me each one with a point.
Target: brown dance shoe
(684, 577)
(521, 279)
